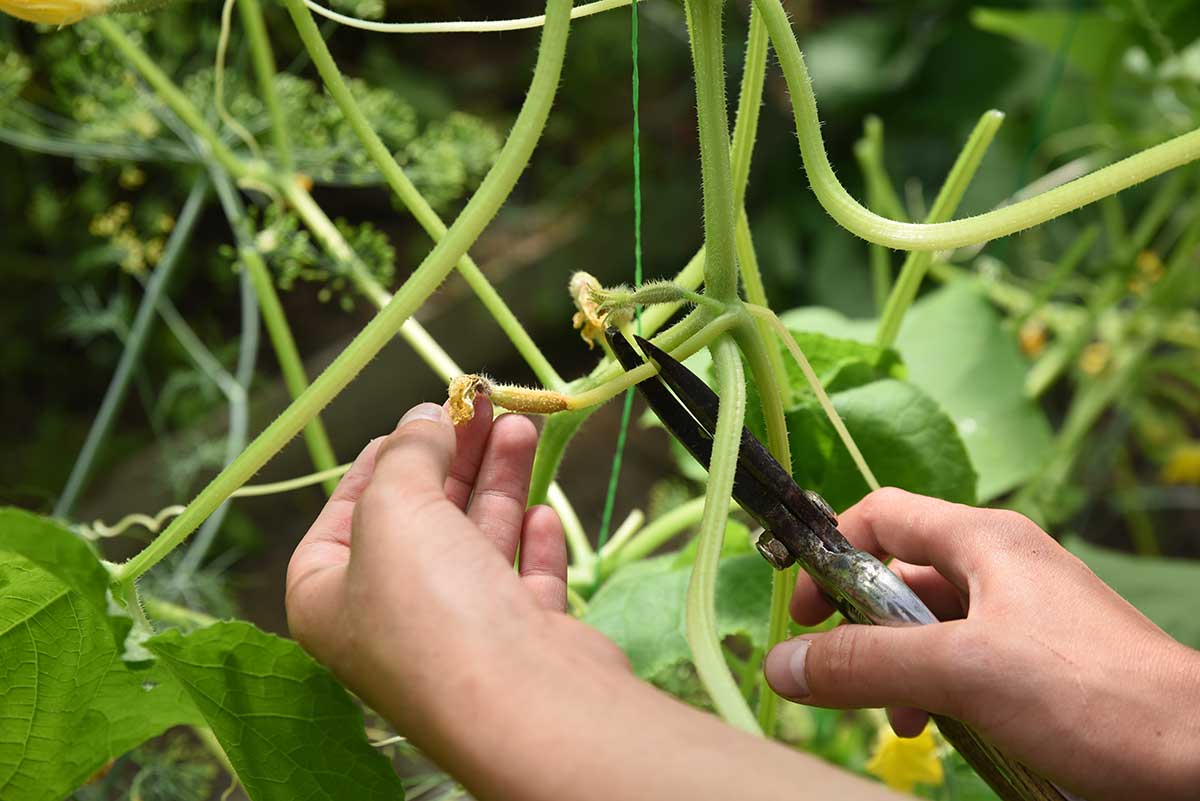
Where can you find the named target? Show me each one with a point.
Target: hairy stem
(412, 199)
(320, 449)
(770, 381)
(720, 267)
(425, 279)
(264, 69)
(701, 613)
(971, 230)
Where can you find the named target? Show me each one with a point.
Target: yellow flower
(53, 12)
(904, 762)
(1183, 465)
(588, 319)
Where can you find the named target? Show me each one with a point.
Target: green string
(611, 497)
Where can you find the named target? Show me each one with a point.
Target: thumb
(868, 666)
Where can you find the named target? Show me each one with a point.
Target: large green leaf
(68, 704)
(957, 350)
(290, 730)
(57, 550)
(641, 608)
(1166, 590)
(905, 437)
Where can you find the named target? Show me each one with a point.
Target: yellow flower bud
(54, 12)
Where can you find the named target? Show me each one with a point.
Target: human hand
(1036, 653)
(405, 584)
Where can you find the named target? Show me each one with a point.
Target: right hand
(1036, 652)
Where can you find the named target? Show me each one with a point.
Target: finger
(543, 565)
(958, 540)
(906, 721)
(318, 565)
(497, 506)
(945, 600)
(809, 605)
(328, 539)
(410, 476)
(869, 666)
(416, 457)
(472, 439)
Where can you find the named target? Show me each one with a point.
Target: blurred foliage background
(94, 176)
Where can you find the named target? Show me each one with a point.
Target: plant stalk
(134, 346)
(428, 276)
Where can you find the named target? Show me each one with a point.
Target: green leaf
(1166, 590)
(55, 549)
(1096, 39)
(641, 608)
(841, 363)
(290, 730)
(70, 704)
(957, 349)
(905, 437)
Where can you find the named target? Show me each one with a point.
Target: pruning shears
(799, 527)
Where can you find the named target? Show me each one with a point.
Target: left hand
(405, 584)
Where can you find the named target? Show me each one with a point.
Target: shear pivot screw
(774, 551)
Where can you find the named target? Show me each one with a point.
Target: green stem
(606, 381)
(769, 378)
(701, 616)
(882, 199)
(132, 353)
(756, 293)
(174, 613)
(331, 239)
(917, 264)
(425, 279)
(655, 534)
(971, 230)
(745, 128)
(412, 199)
(320, 449)
(170, 95)
(264, 69)
(720, 268)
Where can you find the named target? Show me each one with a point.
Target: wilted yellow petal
(904, 762)
(588, 319)
(53, 12)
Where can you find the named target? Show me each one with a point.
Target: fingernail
(784, 668)
(423, 411)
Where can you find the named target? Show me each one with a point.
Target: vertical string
(626, 412)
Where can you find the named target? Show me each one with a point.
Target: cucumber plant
(95, 665)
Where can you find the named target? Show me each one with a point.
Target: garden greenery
(89, 674)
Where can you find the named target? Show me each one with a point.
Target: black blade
(753, 457)
(673, 414)
(751, 494)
